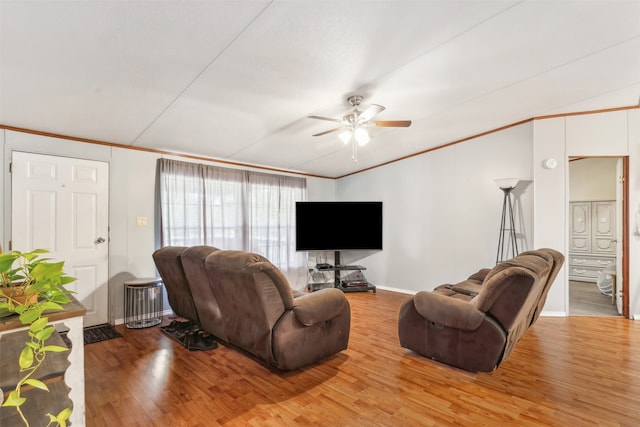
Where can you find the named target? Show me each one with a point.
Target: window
(232, 209)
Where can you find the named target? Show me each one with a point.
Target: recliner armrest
(319, 306)
(450, 312)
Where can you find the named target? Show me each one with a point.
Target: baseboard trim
(402, 291)
(553, 314)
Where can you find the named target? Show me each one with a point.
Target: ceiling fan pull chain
(354, 152)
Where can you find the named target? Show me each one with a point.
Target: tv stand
(353, 282)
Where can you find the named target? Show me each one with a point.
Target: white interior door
(62, 204)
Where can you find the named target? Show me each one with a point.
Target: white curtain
(181, 194)
(232, 209)
(272, 222)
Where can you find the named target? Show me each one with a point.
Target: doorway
(596, 221)
(61, 204)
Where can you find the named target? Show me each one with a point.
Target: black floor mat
(190, 335)
(93, 334)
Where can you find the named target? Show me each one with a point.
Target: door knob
(100, 240)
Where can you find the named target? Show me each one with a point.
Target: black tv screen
(338, 225)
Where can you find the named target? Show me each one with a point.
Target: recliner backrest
(193, 263)
(557, 261)
(169, 267)
(512, 290)
(503, 293)
(252, 294)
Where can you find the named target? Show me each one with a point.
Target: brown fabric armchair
(261, 314)
(475, 324)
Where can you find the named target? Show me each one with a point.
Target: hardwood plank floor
(585, 299)
(572, 371)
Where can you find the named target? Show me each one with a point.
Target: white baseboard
(553, 314)
(402, 291)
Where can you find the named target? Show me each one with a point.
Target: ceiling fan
(354, 123)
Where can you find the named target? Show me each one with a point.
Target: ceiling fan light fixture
(361, 136)
(345, 136)
(353, 124)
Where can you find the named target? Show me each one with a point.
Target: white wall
(442, 209)
(592, 179)
(550, 204)
(132, 193)
(604, 134)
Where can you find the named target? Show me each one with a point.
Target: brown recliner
(193, 263)
(475, 324)
(470, 287)
(262, 316)
(169, 267)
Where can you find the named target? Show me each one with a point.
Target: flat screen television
(322, 226)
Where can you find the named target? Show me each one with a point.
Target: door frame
(625, 236)
(624, 218)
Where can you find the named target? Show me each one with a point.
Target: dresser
(592, 238)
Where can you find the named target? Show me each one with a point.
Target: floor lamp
(507, 223)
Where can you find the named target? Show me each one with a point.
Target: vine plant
(33, 286)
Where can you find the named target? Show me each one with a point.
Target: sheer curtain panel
(232, 209)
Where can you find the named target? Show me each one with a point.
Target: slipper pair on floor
(200, 341)
(190, 335)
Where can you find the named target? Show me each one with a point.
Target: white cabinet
(592, 239)
(40, 402)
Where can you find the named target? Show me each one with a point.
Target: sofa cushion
(468, 287)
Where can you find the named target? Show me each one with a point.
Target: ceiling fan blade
(371, 111)
(329, 119)
(327, 131)
(393, 123)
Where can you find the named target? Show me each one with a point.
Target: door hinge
(10, 167)
(10, 245)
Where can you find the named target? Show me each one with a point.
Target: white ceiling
(236, 80)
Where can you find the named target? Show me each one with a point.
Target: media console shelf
(354, 282)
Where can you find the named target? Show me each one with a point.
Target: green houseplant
(32, 286)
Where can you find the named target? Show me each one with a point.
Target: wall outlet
(141, 221)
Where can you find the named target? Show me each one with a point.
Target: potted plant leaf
(30, 287)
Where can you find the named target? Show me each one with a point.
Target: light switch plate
(141, 221)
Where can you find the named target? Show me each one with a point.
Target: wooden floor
(585, 299)
(573, 371)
